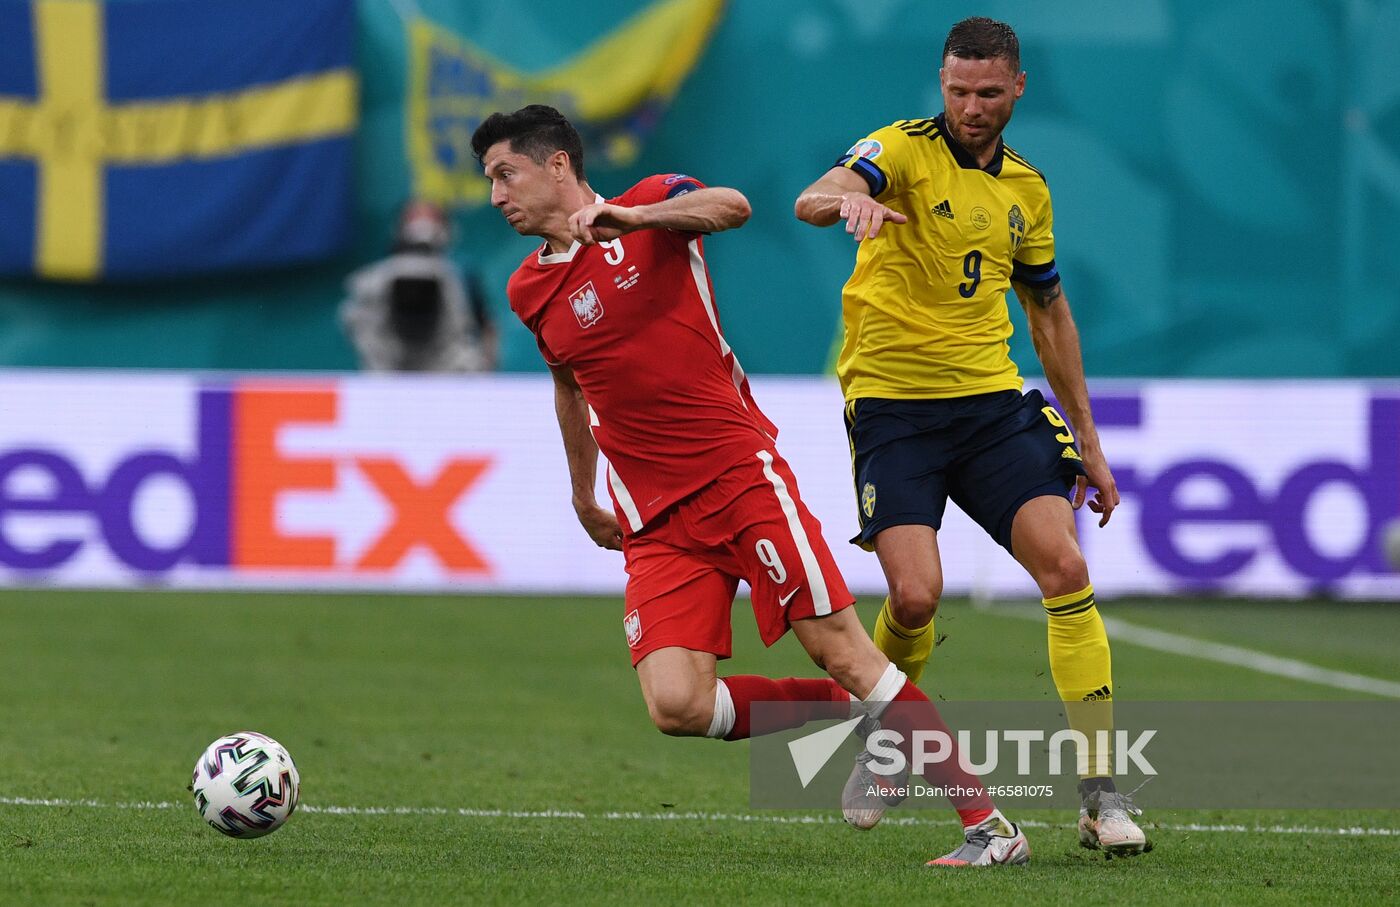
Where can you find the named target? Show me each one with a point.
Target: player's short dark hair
(980, 38)
(536, 131)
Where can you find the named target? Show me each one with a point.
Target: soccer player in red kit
(620, 302)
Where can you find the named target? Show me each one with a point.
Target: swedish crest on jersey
(867, 500)
(588, 308)
(1016, 221)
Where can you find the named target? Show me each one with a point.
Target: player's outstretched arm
(581, 452)
(709, 210)
(1056, 341)
(842, 194)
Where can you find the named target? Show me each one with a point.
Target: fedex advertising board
(458, 483)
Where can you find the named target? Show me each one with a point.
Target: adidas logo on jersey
(943, 209)
(1069, 453)
(1101, 693)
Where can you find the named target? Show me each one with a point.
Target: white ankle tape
(886, 689)
(723, 721)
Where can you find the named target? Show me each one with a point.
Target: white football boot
(995, 842)
(868, 794)
(1106, 823)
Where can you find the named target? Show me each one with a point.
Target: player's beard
(986, 137)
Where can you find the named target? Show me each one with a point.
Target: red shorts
(749, 523)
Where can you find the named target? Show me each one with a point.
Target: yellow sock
(908, 649)
(1083, 670)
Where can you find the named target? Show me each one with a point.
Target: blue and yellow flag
(614, 92)
(153, 138)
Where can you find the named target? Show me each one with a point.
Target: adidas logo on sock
(1101, 693)
(943, 209)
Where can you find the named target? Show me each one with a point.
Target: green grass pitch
(447, 709)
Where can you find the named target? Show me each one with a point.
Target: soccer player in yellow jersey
(949, 219)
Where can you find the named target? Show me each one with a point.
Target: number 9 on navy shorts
(990, 453)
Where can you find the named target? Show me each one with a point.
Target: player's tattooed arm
(1043, 297)
(581, 453)
(1056, 341)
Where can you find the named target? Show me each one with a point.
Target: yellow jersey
(925, 311)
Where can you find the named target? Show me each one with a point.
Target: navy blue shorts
(990, 453)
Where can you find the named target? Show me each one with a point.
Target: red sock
(918, 713)
(805, 700)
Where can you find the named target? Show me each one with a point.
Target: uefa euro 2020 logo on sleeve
(866, 148)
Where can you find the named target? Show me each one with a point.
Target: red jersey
(635, 320)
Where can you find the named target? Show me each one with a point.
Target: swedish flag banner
(161, 137)
(613, 91)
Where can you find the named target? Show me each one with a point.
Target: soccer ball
(245, 785)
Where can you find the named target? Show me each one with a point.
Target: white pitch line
(691, 816)
(1252, 659)
(1235, 656)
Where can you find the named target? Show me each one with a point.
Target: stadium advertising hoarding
(459, 484)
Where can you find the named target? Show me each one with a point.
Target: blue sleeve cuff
(682, 187)
(1038, 277)
(873, 175)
